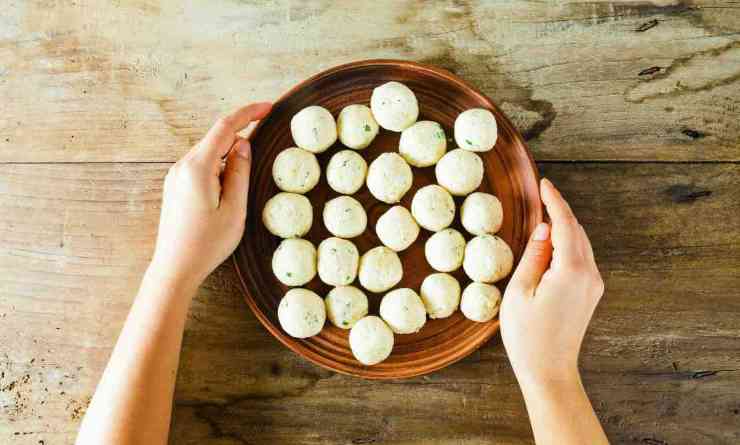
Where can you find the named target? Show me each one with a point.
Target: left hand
(204, 203)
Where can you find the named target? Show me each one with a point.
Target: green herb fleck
(440, 134)
(289, 274)
(367, 127)
(345, 323)
(468, 142)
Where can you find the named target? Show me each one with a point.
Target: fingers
(236, 177)
(567, 240)
(219, 139)
(534, 262)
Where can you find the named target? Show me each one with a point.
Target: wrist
(555, 378)
(170, 281)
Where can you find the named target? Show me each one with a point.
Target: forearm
(133, 401)
(560, 411)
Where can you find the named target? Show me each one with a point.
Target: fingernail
(546, 181)
(541, 232)
(243, 149)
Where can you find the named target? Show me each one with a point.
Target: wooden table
(633, 108)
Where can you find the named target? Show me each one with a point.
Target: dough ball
(389, 178)
(394, 106)
(345, 305)
(476, 130)
(403, 310)
(313, 129)
(344, 217)
(396, 228)
(356, 126)
(301, 313)
(380, 269)
(371, 340)
(433, 208)
(346, 172)
(294, 262)
(296, 170)
(480, 302)
(481, 213)
(440, 293)
(488, 259)
(423, 143)
(288, 215)
(444, 250)
(459, 171)
(337, 261)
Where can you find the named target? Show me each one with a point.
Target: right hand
(551, 297)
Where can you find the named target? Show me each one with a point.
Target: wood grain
(142, 80)
(660, 358)
(510, 174)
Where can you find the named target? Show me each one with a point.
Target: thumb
(535, 261)
(235, 184)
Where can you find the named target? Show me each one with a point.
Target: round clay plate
(510, 175)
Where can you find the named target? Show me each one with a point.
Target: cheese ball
(288, 215)
(346, 172)
(433, 208)
(394, 106)
(396, 228)
(301, 313)
(337, 261)
(296, 170)
(481, 213)
(380, 269)
(371, 340)
(459, 171)
(313, 129)
(444, 250)
(403, 310)
(356, 126)
(423, 143)
(440, 293)
(345, 305)
(345, 217)
(294, 262)
(480, 302)
(389, 178)
(476, 130)
(487, 259)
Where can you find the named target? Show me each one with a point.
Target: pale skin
(544, 315)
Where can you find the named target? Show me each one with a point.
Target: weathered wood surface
(99, 97)
(140, 81)
(661, 360)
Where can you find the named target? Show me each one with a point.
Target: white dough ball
(313, 129)
(380, 269)
(480, 302)
(423, 143)
(488, 259)
(396, 228)
(371, 340)
(481, 213)
(459, 171)
(338, 260)
(394, 106)
(294, 262)
(346, 172)
(296, 170)
(476, 130)
(345, 305)
(301, 313)
(356, 126)
(288, 215)
(389, 178)
(345, 217)
(444, 250)
(440, 293)
(433, 208)
(403, 310)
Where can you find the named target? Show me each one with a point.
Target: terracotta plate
(510, 174)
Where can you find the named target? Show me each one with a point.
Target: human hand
(551, 297)
(204, 203)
